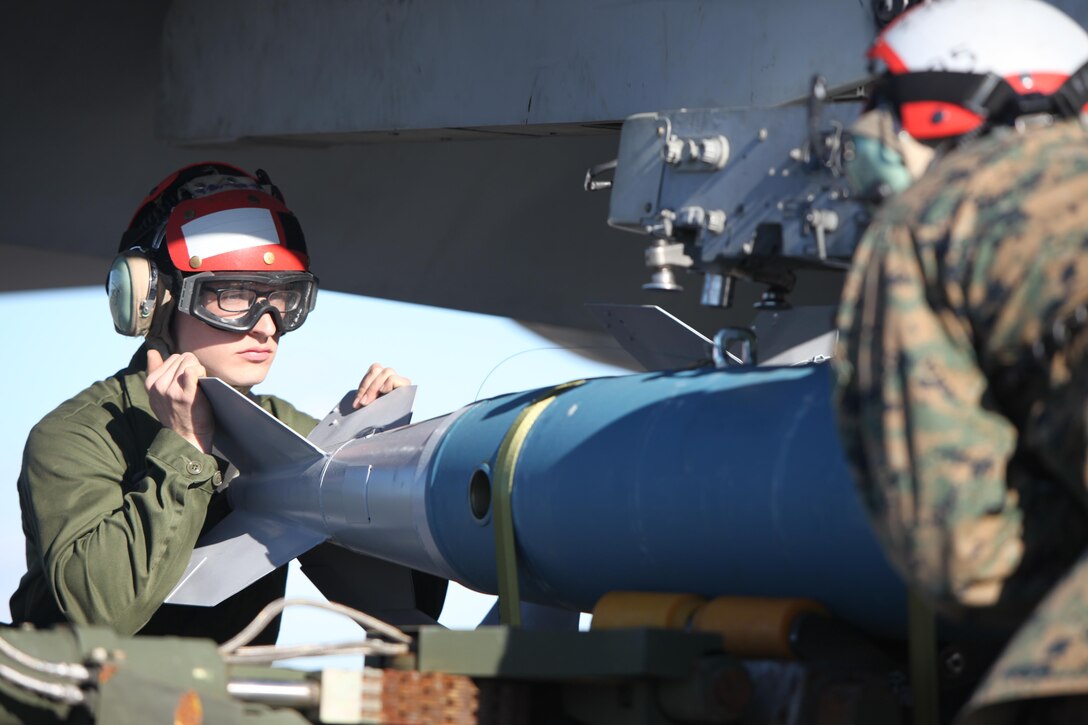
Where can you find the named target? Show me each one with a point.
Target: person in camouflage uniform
(963, 378)
(963, 381)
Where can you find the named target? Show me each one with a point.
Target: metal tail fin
(343, 423)
(241, 549)
(249, 437)
(246, 545)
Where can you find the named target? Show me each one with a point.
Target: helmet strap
(1071, 98)
(988, 96)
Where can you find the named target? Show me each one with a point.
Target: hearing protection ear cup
(132, 286)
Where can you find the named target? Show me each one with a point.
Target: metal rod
(277, 693)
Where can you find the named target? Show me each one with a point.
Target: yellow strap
(502, 493)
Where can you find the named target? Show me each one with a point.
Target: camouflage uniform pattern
(962, 397)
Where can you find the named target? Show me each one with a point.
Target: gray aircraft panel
(504, 67)
(657, 339)
(795, 336)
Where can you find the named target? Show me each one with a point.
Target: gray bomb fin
(392, 593)
(654, 337)
(245, 546)
(344, 423)
(251, 438)
(241, 549)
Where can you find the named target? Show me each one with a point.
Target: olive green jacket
(112, 506)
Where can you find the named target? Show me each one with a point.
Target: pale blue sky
(59, 341)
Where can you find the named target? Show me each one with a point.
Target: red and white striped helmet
(215, 217)
(953, 67)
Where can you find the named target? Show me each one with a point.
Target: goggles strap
(1071, 98)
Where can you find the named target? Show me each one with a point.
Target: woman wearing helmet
(962, 360)
(119, 482)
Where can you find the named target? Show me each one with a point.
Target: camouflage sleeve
(963, 396)
(961, 372)
(1032, 325)
(929, 457)
(1047, 658)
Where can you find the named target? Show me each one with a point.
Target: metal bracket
(663, 258)
(820, 222)
(696, 154)
(748, 349)
(593, 172)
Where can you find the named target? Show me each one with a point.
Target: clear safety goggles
(236, 301)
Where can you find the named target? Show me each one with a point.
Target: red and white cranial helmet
(955, 67)
(214, 217)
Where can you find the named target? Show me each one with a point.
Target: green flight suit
(112, 506)
(963, 399)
